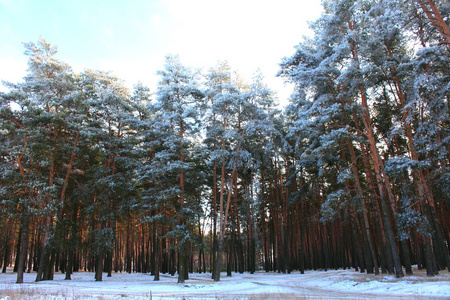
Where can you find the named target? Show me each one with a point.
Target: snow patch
(321, 284)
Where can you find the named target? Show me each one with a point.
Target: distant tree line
(206, 174)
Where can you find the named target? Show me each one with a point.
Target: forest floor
(332, 284)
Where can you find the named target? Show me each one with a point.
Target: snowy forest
(207, 174)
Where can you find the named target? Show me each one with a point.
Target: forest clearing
(332, 284)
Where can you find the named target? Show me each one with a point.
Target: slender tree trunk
(49, 270)
(200, 250)
(214, 231)
(43, 270)
(406, 258)
(222, 218)
(182, 266)
(6, 254)
(157, 251)
(128, 246)
(69, 269)
(251, 237)
(429, 257)
(72, 240)
(238, 242)
(99, 266)
(25, 222)
(359, 191)
(18, 246)
(75, 209)
(24, 246)
(302, 237)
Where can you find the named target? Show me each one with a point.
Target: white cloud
(12, 69)
(249, 34)
(155, 20)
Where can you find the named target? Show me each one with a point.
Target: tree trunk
(72, 240)
(6, 256)
(183, 266)
(157, 251)
(128, 247)
(214, 230)
(222, 219)
(44, 259)
(19, 244)
(364, 213)
(24, 247)
(99, 266)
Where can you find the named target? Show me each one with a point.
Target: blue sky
(131, 38)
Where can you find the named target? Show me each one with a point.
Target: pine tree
(176, 123)
(110, 120)
(48, 124)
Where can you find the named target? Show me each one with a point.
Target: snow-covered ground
(335, 284)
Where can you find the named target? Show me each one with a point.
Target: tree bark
(434, 16)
